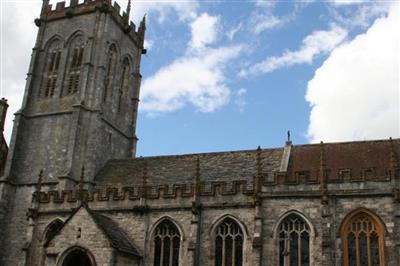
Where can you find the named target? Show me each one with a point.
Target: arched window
(166, 244)
(228, 244)
(52, 230)
(362, 240)
(124, 81)
(110, 69)
(294, 241)
(51, 69)
(75, 58)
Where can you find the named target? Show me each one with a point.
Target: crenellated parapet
(61, 11)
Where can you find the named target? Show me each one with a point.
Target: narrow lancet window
(124, 82)
(294, 241)
(228, 244)
(75, 65)
(110, 69)
(166, 244)
(51, 70)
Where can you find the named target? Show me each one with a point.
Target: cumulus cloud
(316, 43)
(198, 80)
(204, 31)
(355, 93)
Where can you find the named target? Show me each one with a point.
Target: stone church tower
(80, 104)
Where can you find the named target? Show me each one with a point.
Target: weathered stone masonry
(72, 189)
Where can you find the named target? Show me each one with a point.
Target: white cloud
(361, 16)
(204, 31)
(355, 93)
(186, 10)
(266, 22)
(194, 79)
(313, 45)
(232, 32)
(240, 99)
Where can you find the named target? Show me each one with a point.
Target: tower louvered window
(52, 72)
(124, 82)
(166, 244)
(110, 69)
(363, 242)
(75, 66)
(294, 242)
(228, 244)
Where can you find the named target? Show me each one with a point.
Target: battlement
(207, 189)
(62, 10)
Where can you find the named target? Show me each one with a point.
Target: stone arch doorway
(77, 256)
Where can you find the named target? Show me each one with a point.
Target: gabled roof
(117, 236)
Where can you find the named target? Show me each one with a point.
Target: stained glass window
(228, 244)
(166, 244)
(294, 241)
(362, 241)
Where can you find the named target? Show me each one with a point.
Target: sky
(233, 75)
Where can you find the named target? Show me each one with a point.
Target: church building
(72, 192)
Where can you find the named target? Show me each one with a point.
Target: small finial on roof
(288, 141)
(40, 180)
(128, 9)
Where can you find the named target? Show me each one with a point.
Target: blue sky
(231, 75)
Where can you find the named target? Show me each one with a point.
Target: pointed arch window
(124, 82)
(228, 244)
(166, 244)
(52, 229)
(110, 69)
(51, 70)
(75, 65)
(363, 240)
(294, 241)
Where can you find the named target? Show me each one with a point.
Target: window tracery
(110, 69)
(51, 69)
(363, 241)
(228, 244)
(294, 241)
(166, 244)
(75, 65)
(124, 82)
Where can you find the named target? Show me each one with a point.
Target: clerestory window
(166, 244)
(363, 241)
(294, 241)
(228, 244)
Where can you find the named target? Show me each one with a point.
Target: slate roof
(219, 166)
(357, 158)
(119, 239)
(117, 236)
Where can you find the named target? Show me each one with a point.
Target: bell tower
(81, 96)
